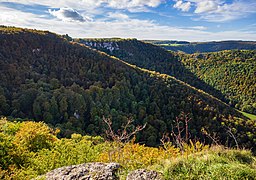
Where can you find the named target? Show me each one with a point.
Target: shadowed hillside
(228, 75)
(151, 57)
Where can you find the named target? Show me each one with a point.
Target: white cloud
(206, 6)
(228, 12)
(131, 5)
(69, 14)
(207, 10)
(218, 10)
(118, 16)
(7, 15)
(183, 6)
(126, 28)
(202, 28)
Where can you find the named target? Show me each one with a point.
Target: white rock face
(111, 46)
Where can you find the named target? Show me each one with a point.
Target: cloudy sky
(192, 20)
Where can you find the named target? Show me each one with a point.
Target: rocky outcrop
(111, 46)
(88, 171)
(142, 174)
(97, 171)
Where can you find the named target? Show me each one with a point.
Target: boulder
(143, 174)
(87, 171)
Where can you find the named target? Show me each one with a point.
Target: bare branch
(212, 137)
(122, 135)
(229, 130)
(181, 124)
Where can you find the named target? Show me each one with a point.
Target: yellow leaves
(76, 137)
(3, 119)
(194, 147)
(169, 150)
(134, 156)
(34, 136)
(8, 128)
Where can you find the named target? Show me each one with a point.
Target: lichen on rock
(143, 174)
(87, 171)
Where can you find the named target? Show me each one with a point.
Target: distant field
(251, 116)
(170, 44)
(213, 46)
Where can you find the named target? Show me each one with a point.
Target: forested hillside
(151, 57)
(231, 72)
(70, 86)
(228, 75)
(200, 47)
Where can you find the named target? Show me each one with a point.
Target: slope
(227, 75)
(71, 86)
(231, 72)
(150, 57)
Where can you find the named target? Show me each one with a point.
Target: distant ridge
(200, 47)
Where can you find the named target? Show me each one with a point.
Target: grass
(251, 116)
(217, 163)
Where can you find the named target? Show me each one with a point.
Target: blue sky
(191, 20)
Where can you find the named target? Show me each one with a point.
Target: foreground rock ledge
(142, 174)
(97, 171)
(88, 171)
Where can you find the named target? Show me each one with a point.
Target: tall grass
(217, 163)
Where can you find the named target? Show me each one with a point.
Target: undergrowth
(29, 149)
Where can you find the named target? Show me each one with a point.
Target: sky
(189, 20)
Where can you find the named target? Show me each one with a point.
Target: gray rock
(88, 171)
(143, 174)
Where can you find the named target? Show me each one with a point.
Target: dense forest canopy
(71, 86)
(150, 57)
(231, 72)
(227, 75)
